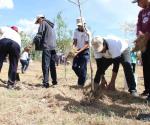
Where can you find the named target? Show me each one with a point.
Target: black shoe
(45, 85)
(145, 93)
(54, 83)
(10, 85)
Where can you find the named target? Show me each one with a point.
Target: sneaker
(145, 93)
(134, 94)
(12, 87)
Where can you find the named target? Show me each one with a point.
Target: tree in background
(64, 39)
(129, 30)
(63, 35)
(25, 41)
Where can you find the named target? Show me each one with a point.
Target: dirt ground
(66, 104)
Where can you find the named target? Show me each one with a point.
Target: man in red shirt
(143, 30)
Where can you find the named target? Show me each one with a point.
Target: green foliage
(25, 41)
(63, 34)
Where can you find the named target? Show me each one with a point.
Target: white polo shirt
(81, 37)
(11, 34)
(116, 47)
(98, 55)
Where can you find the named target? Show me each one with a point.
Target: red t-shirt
(143, 24)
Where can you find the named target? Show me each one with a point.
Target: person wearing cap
(47, 38)
(81, 43)
(120, 53)
(143, 30)
(103, 61)
(10, 43)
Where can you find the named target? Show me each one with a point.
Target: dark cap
(134, 1)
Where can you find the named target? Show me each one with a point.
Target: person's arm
(139, 24)
(113, 78)
(86, 45)
(74, 42)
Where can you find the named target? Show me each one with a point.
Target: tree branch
(73, 2)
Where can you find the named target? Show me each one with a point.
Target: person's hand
(77, 52)
(140, 33)
(147, 36)
(140, 43)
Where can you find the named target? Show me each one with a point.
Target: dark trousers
(80, 67)
(126, 63)
(24, 64)
(125, 60)
(11, 48)
(48, 64)
(133, 67)
(102, 65)
(146, 68)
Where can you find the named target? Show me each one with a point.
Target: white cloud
(6, 4)
(28, 26)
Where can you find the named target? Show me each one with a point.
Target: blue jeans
(24, 64)
(48, 64)
(80, 67)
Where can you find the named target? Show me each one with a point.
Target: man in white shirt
(120, 53)
(10, 43)
(81, 43)
(103, 61)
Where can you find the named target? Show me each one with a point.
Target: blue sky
(103, 16)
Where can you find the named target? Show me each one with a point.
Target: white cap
(80, 21)
(38, 17)
(97, 43)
